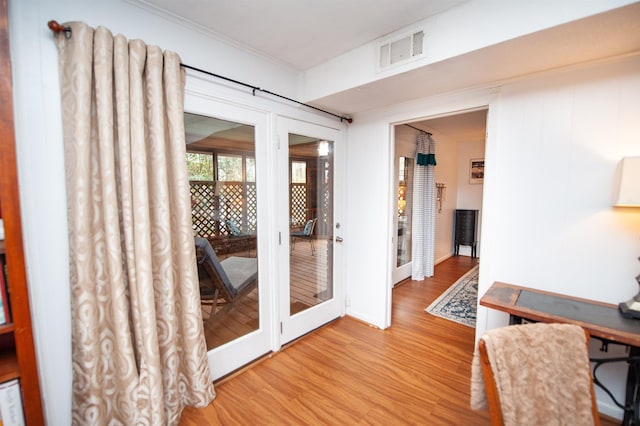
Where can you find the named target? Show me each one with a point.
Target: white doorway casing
(293, 326)
(204, 96)
(459, 137)
(370, 138)
(404, 146)
(232, 355)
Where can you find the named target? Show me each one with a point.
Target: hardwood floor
(415, 372)
(308, 285)
(308, 272)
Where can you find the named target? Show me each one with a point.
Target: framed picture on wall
(476, 170)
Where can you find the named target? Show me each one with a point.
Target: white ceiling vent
(401, 49)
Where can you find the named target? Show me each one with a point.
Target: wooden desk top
(599, 319)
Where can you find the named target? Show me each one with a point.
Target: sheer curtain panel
(139, 353)
(424, 209)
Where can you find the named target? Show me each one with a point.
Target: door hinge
(279, 238)
(281, 328)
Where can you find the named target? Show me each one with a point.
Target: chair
(232, 279)
(536, 374)
(236, 240)
(305, 234)
(232, 228)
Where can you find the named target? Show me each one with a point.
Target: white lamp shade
(627, 193)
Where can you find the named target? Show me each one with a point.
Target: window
(231, 196)
(251, 170)
(298, 172)
(200, 166)
(230, 168)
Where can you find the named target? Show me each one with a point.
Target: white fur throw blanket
(542, 373)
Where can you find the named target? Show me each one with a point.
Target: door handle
(339, 239)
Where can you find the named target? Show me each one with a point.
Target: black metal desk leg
(632, 397)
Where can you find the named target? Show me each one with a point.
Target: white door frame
(232, 355)
(292, 327)
(203, 95)
(483, 99)
(398, 273)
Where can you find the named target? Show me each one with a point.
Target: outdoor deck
(308, 275)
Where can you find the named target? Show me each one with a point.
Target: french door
(402, 219)
(310, 222)
(228, 147)
(265, 186)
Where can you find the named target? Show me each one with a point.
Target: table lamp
(628, 195)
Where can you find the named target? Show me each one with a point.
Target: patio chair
(305, 234)
(232, 229)
(231, 279)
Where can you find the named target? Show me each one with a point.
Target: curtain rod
(420, 130)
(58, 28)
(268, 92)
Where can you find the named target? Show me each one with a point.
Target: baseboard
(610, 410)
(363, 318)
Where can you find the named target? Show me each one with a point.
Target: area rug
(458, 302)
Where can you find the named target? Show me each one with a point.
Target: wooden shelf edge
(6, 328)
(8, 366)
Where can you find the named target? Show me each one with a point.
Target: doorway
(460, 138)
(274, 218)
(227, 150)
(404, 213)
(309, 214)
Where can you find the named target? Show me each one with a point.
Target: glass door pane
(309, 214)
(405, 197)
(311, 222)
(222, 178)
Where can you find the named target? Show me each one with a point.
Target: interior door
(227, 146)
(311, 229)
(403, 206)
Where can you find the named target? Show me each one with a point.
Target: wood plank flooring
(308, 284)
(308, 272)
(415, 372)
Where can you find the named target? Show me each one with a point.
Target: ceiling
(304, 33)
(463, 127)
(598, 37)
(207, 134)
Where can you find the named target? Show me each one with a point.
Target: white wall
(369, 185)
(469, 195)
(40, 154)
(553, 145)
(446, 171)
(551, 156)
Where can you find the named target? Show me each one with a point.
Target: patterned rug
(458, 302)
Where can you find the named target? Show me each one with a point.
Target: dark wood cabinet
(465, 226)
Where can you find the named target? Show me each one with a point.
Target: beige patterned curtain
(139, 353)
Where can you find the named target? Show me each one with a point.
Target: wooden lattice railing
(235, 201)
(299, 208)
(204, 209)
